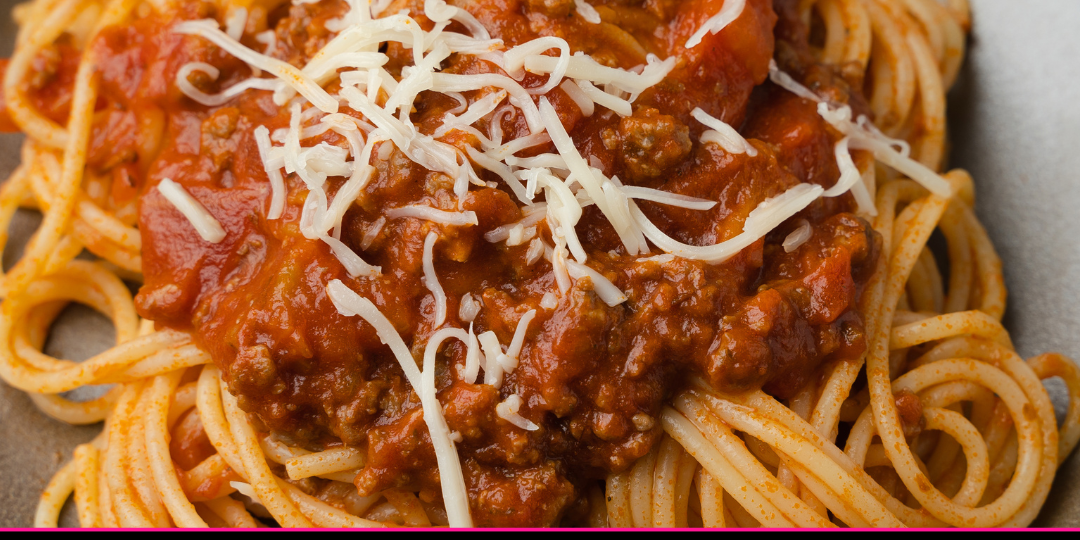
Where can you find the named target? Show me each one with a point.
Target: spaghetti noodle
(918, 413)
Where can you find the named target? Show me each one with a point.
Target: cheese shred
(205, 224)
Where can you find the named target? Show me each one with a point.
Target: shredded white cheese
(798, 237)
(604, 288)
(431, 280)
(472, 358)
(456, 497)
(273, 172)
(587, 12)
(766, 217)
(723, 134)
(469, 308)
(727, 15)
(861, 134)
(293, 77)
(434, 215)
(549, 301)
(508, 410)
(580, 98)
(518, 340)
(493, 372)
(205, 224)
(584, 68)
(235, 22)
(535, 251)
(214, 100)
(372, 233)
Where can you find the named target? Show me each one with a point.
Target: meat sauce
(593, 377)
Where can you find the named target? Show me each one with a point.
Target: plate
(1014, 120)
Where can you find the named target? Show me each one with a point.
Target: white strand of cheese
(312, 210)
(472, 113)
(472, 358)
(723, 134)
(366, 37)
(787, 82)
(362, 60)
(731, 11)
(273, 172)
(346, 195)
(502, 170)
(463, 104)
(519, 97)
(618, 208)
(579, 169)
(268, 38)
(584, 68)
(849, 174)
(514, 61)
(485, 142)
(205, 224)
(542, 161)
(322, 161)
(558, 264)
(664, 197)
(291, 146)
(314, 217)
(563, 213)
(493, 373)
(850, 180)
(587, 11)
(533, 214)
(362, 172)
(434, 215)
(864, 136)
(431, 279)
(214, 100)
(495, 128)
(372, 233)
(508, 410)
(664, 258)
(519, 144)
(863, 139)
(359, 12)
(616, 104)
(766, 217)
(416, 79)
(440, 11)
(549, 301)
(518, 341)
(288, 74)
(469, 308)
(354, 265)
(579, 97)
(604, 288)
(423, 149)
(456, 497)
(482, 48)
(798, 237)
(235, 22)
(535, 251)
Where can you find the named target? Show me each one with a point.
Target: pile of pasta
(835, 454)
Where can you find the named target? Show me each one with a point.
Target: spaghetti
(919, 413)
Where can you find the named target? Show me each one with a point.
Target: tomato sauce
(593, 377)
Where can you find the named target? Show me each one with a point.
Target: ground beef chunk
(650, 143)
